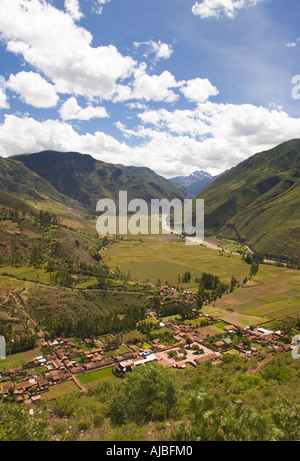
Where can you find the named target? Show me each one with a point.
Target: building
(180, 365)
(149, 358)
(125, 366)
(264, 331)
(205, 358)
(229, 328)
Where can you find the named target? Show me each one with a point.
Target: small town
(66, 358)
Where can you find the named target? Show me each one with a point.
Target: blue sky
(175, 85)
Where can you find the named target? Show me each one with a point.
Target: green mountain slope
(258, 202)
(21, 187)
(87, 180)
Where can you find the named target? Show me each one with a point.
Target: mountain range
(195, 182)
(257, 202)
(82, 178)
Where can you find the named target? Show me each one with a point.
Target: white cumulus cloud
(154, 87)
(291, 45)
(36, 136)
(218, 8)
(198, 90)
(34, 90)
(218, 135)
(73, 8)
(160, 50)
(71, 110)
(213, 135)
(3, 98)
(98, 6)
(50, 41)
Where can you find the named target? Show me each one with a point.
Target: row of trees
(254, 260)
(8, 214)
(90, 326)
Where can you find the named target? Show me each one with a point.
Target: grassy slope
(21, 187)
(18, 239)
(43, 301)
(259, 201)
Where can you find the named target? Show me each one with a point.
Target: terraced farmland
(275, 294)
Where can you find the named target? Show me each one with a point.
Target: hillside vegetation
(18, 184)
(258, 202)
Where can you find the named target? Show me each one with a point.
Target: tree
(156, 302)
(63, 278)
(36, 257)
(233, 283)
(210, 281)
(101, 276)
(186, 278)
(234, 421)
(185, 311)
(188, 340)
(149, 393)
(254, 268)
(201, 296)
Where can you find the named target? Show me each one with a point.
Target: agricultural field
(119, 351)
(225, 244)
(165, 258)
(275, 294)
(17, 360)
(27, 273)
(60, 390)
(91, 379)
(210, 331)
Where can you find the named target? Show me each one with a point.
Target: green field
(95, 375)
(165, 258)
(130, 336)
(122, 350)
(60, 390)
(89, 282)
(277, 306)
(273, 293)
(169, 318)
(232, 352)
(17, 360)
(210, 331)
(27, 273)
